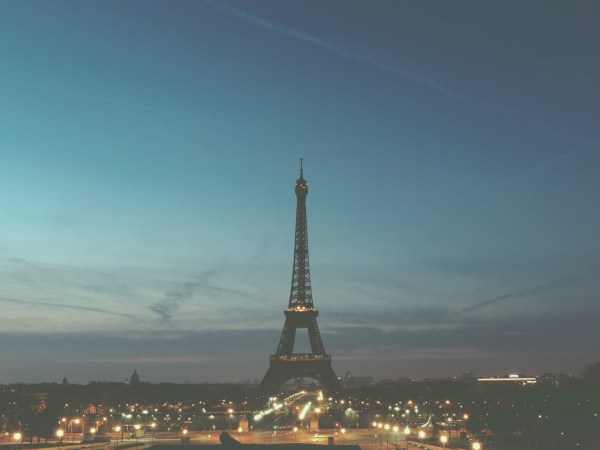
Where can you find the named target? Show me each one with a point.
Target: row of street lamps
(421, 434)
(17, 437)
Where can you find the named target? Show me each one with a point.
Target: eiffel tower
(301, 313)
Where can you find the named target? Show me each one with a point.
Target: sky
(149, 151)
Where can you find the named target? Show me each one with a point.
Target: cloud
(262, 248)
(173, 299)
(389, 316)
(176, 296)
(532, 344)
(586, 147)
(130, 104)
(544, 331)
(64, 306)
(513, 295)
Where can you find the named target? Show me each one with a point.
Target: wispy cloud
(173, 299)
(130, 104)
(586, 147)
(64, 306)
(523, 343)
(511, 296)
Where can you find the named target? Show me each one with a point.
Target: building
(135, 378)
(511, 379)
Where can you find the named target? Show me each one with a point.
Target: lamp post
(240, 434)
(59, 434)
(18, 437)
(76, 422)
(136, 429)
(476, 446)
(395, 430)
(185, 438)
(295, 431)
(153, 426)
(406, 433)
(386, 427)
(92, 432)
(343, 430)
(443, 440)
(118, 430)
(422, 436)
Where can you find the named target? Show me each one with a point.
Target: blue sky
(149, 152)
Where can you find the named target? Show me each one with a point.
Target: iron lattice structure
(301, 313)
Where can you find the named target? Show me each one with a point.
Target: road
(367, 439)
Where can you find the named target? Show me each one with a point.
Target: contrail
(64, 306)
(251, 18)
(372, 62)
(133, 105)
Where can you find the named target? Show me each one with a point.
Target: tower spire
(301, 292)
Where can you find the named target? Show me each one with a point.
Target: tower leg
(281, 370)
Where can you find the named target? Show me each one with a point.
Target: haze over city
(150, 149)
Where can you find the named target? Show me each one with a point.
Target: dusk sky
(149, 151)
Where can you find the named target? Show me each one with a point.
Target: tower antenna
(301, 167)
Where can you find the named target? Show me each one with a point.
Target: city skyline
(150, 153)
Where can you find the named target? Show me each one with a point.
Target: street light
(17, 437)
(118, 430)
(406, 433)
(422, 436)
(443, 440)
(476, 446)
(59, 434)
(395, 430)
(295, 431)
(386, 427)
(343, 430)
(153, 426)
(92, 431)
(76, 422)
(136, 428)
(240, 434)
